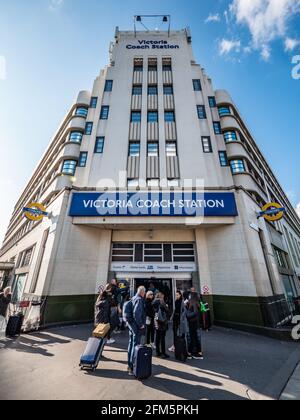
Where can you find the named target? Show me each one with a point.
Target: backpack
(128, 312)
(161, 316)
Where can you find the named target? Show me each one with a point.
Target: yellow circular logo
(35, 212)
(273, 212)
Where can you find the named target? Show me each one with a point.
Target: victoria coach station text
(147, 45)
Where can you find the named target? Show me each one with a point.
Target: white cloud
(290, 44)
(266, 20)
(213, 18)
(55, 5)
(227, 46)
(298, 209)
(2, 68)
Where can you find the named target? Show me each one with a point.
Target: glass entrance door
(159, 285)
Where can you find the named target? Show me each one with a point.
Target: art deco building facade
(154, 123)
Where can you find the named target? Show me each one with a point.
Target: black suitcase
(14, 325)
(181, 353)
(142, 364)
(91, 356)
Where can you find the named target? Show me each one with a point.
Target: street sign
(272, 212)
(35, 212)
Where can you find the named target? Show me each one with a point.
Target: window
(26, 258)
(134, 149)
(152, 90)
(76, 137)
(152, 67)
(123, 252)
(237, 166)
(88, 128)
(201, 112)
(133, 182)
(153, 182)
(19, 285)
(82, 159)
(94, 102)
(152, 116)
(170, 116)
(69, 167)
(108, 86)
(223, 158)
(168, 90)
(171, 148)
(104, 113)
(167, 67)
(173, 182)
(217, 127)
(137, 90)
(99, 145)
(153, 149)
(81, 112)
(197, 85)
(206, 144)
(224, 110)
(138, 67)
(212, 101)
(230, 136)
(136, 116)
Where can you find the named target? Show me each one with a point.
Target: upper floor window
(99, 145)
(224, 110)
(136, 117)
(223, 158)
(152, 90)
(81, 112)
(152, 67)
(82, 159)
(26, 258)
(94, 101)
(152, 116)
(170, 116)
(167, 67)
(212, 101)
(197, 85)
(76, 137)
(171, 148)
(69, 167)
(201, 112)
(217, 127)
(168, 90)
(108, 86)
(134, 149)
(137, 90)
(237, 166)
(153, 149)
(230, 136)
(88, 128)
(104, 112)
(206, 144)
(138, 67)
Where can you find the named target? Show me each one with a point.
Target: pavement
(292, 389)
(237, 366)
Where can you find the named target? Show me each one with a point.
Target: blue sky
(51, 49)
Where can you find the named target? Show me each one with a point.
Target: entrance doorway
(164, 286)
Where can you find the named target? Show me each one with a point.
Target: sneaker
(153, 346)
(111, 341)
(189, 357)
(130, 371)
(172, 349)
(165, 356)
(198, 357)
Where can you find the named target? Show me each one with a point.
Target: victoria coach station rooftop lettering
(154, 45)
(188, 204)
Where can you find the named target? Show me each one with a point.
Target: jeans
(195, 339)
(135, 337)
(161, 342)
(150, 332)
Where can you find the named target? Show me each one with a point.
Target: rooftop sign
(154, 45)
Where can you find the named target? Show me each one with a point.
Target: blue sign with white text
(176, 204)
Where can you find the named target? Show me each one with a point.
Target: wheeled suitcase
(181, 353)
(14, 325)
(142, 364)
(91, 356)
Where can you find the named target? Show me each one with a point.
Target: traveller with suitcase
(134, 314)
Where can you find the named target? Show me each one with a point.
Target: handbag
(101, 330)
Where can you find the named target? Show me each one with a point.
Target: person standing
(5, 299)
(180, 326)
(193, 317)
(150, 313)
(136, 322)
(161, 321)
(102, 312)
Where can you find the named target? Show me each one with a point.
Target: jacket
(180, 319)
(139, 311)
(102, 312)
(150, 312)
(4, 302)
(159, 325)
